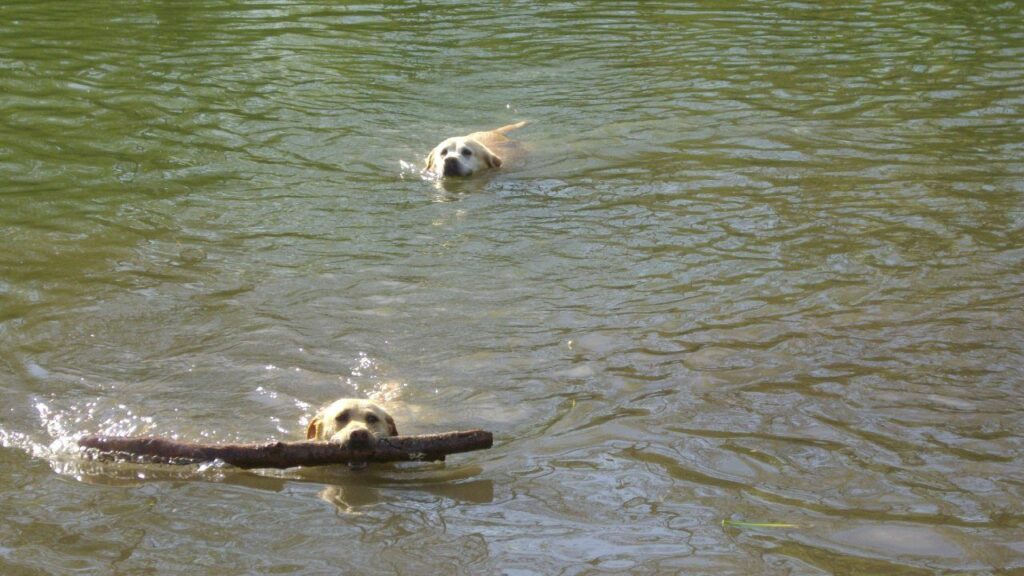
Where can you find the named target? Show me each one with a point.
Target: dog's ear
(392, 429)
(430, 162)
(315, 425)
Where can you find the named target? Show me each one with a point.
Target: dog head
(460, 157)
(353, 422)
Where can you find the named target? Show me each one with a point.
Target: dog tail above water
(510, 127)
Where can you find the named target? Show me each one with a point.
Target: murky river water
(754, 303)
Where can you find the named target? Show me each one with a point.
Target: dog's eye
(371, 418)
(444, 152)
(343, 417)
(467, 152)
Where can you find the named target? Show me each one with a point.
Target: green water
(763, 264)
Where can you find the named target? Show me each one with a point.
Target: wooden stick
(426, 447)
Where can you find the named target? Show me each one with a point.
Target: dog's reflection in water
(350, 497)
(381, 483)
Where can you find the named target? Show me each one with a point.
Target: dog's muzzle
(452, 167)
(359, 439)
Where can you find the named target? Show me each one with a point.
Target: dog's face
(460, 157)
(351, 421)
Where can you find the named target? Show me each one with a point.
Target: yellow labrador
(467, 155)
(351, 421)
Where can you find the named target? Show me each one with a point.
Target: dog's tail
(510, 127)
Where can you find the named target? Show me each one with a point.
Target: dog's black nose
(452, 167)
(359, 439)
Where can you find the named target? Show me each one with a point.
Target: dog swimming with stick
(347, 431)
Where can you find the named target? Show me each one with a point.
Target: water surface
(753, 304)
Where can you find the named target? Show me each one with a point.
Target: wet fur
(468, 155)
(351, 421)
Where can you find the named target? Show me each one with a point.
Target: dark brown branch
(426, 447)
